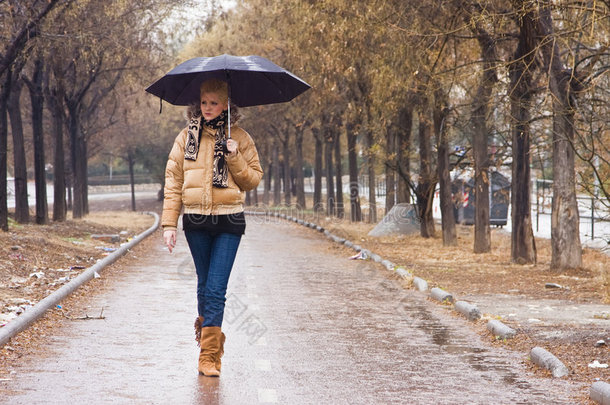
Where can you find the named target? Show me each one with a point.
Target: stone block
(441, 295)
(497, 328)
(420, 284)
(600, 392)
(470, 311)
(547, 360)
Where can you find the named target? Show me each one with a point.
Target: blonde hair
(216, 86)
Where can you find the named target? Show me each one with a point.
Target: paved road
(304, 325)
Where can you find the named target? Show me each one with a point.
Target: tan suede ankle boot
(221, 351)
(210, 347)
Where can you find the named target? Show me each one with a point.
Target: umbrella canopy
(253, 80)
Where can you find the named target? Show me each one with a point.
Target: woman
(207, 176)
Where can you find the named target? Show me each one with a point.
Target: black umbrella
(253, 80)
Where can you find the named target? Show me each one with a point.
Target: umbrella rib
(186, 88)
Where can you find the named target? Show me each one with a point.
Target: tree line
(81, 61)
(399, 86)
(408, 89)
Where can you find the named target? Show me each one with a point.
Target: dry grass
(126, 220)
(459, 269)
(58, 249)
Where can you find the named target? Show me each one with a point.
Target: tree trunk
(523, 245)
(300, 180)
(339, 175)
(59, 175)
(565, 223)
(330, 184)
(22, 207)
(444, 178)
(37, 98)
(317, 170)
(267, 186)
(132, 181)
(277, 192)
(425, 185)
(403, 189)
(5, 92)
(75, 151)
(480, 140)
(390, 172)
(70, 188)
(85, 173)
(287, 177)
(370, 165)
(352, 157)
(267, 170)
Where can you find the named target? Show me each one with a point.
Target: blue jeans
(213, 255)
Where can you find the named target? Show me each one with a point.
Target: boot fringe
(198, 325)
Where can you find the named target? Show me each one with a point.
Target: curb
(498, 329)
(470, 311)
(32, 314)
(441, 295)
(545, 359)
(600, 392)
(420, 283)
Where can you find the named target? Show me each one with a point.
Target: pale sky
(193, 15)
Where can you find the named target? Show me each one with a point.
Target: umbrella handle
(229, 119)
(228, 100)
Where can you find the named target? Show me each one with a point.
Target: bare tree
(22, 208)
(425, 182)
(441, 111)
(20, 33)
(35, 86)
(354, 194)
(317, 170)
(300, 180)
(521, 68)
(328, 166)
(339, 174)
(390, 167)
(564, 85)
(405, 123)
(480, 141)
(55, 106)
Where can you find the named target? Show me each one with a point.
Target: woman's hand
(231, 146)
(169, 237)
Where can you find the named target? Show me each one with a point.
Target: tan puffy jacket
(188, 183)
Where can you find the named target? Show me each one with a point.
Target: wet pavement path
(304, 325)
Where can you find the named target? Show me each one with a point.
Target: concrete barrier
(441, 295)
(547, 360)
(470, 311)
(497, 328)
(404, 273)
(376, 258)
(420, 284)
(600, 392)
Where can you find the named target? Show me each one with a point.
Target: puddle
(477, 357)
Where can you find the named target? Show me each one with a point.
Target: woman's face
(211, 106)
